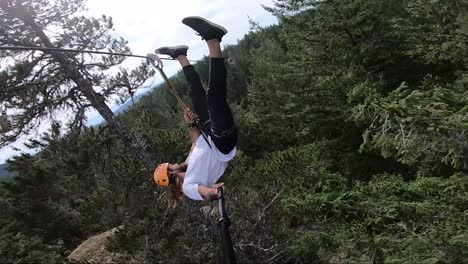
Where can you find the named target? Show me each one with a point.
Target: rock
(93, 250)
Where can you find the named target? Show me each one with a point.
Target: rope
(157, 63)
(174, 92)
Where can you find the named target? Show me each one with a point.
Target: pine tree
(39, 84)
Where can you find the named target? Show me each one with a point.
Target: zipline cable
(153, 58)
(74, 50)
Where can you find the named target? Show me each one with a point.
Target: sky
(147, 25)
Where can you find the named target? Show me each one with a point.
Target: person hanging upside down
(212, 129)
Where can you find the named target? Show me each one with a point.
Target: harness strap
(205, 138)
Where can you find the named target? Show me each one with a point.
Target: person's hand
(214, 190)
(218, 185)
(190, 118)
(173, 167)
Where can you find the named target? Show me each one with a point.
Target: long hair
(175, 196)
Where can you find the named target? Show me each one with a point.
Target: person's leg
(197, 93)
(222, 122)
(196, 90)
(220, 113)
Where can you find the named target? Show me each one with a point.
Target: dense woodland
(353, 120)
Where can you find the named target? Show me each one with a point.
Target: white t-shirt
(205, 166)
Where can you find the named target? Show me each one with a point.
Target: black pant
(211, 107)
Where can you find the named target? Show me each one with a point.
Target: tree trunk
(71, 69)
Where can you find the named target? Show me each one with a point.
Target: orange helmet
(161, 175)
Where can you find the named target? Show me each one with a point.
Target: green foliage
(435, 32)
(422, 121)
(421, 127)
(76, 186)
(21, 248)
(352, 149)
(421, 220)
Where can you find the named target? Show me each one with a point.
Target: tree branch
(265, 210)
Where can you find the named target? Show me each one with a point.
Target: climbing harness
(229, 256)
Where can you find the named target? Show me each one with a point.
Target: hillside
(4, 173)
(352, 118)
(117, 110)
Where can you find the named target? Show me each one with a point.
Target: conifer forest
(353, 139)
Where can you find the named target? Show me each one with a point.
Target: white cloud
(148, 25)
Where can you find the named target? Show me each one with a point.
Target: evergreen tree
(37, 84)
(352, 150)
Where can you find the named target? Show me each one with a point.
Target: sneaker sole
(172, 47)
(206, 21)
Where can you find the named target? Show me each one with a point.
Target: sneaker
(206, 29)
(174, 51)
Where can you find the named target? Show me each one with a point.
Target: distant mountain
(4, 173)
(118, 109)
(128, 103)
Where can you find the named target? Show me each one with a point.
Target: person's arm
(181, 176)
(191, 120)
(209, 192)
(178, 167)
(194, 135)
(199, 192)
